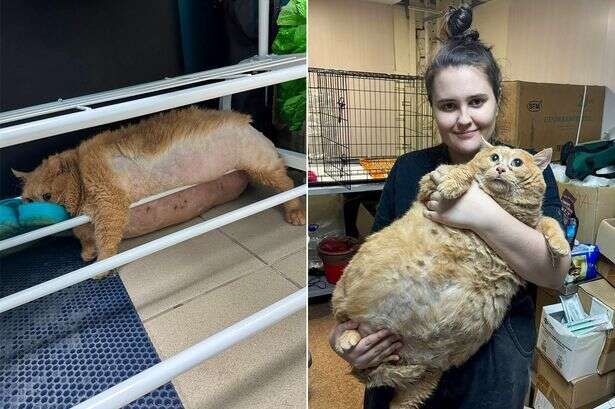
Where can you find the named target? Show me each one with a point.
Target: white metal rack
(98, 109)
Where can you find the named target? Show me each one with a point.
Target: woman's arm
(523, 248)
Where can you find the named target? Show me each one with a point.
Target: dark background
(70, 48)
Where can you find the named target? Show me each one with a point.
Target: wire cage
(360, 122)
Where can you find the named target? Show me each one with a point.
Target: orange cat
(442, 289)
(105, 174)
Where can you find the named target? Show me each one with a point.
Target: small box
(606, 268)
(593, 204)
(538, 115)
(605, 239)
(574, 356)
(554, 392)
(596, 297)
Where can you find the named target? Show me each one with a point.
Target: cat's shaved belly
(189, 160)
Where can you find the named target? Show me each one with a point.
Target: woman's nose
(464, 119)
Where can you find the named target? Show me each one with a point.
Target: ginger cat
(104, 175)
(442, 289)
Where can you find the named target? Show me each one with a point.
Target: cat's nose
(27, 199)
(500, 169)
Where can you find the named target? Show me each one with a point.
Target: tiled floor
(190, 291)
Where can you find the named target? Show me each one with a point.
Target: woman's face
(465, 109)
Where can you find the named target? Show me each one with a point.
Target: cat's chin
(497, 186)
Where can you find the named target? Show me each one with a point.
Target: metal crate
(361, 120)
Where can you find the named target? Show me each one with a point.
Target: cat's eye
(517, 162)
(495, 157)
(47, 197)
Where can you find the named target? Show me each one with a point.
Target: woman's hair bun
(457, 23)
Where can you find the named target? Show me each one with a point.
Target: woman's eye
(495, 157)
(476, 102)
(448, 107)
(517, 162)
(47, 197)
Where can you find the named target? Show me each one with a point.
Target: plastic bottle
(571, 229)
(314, 262)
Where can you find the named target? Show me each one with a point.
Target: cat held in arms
(105, 174)
(441, 289)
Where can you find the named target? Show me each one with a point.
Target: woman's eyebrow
(484, 96)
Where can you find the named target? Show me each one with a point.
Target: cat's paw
(451, 181)
(88, 254)
(348, 340)
(102, 275)
(558, 244)
(296, 217)
(426, 188)
(450, 189)
(554, 235)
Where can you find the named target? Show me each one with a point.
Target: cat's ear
(484, 144)
(20, 175)
(54, 165)
(543, 158)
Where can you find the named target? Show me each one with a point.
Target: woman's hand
(473, 210)
(373, 348)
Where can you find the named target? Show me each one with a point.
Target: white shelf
(257, 73)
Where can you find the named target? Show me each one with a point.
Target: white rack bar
(263, 27)
(245, 68)
(293, 159)
(159, 374)
(82, 274)
(124, 110)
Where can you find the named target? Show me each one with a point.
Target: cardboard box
(607, 405)
(536, 115)
(596, 297)
(574, 356)
(605, 238)
(544, 296)
(582, 393)
(593, 204)
(606, 268)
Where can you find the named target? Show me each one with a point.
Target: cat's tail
(413, 384)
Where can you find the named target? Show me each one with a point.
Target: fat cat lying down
(105, 174)
(442, 289)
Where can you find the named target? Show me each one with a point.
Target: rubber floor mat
(64, 348)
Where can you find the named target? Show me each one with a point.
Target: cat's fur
(105, 174)
(442, 289)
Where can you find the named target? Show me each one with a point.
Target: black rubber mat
(62, 349)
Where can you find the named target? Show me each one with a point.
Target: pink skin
(465, 110)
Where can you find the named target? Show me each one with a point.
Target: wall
(556, 41)
(608, 119)
(360, 36)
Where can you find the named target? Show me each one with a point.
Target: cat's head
(504, 171)
(55, 180)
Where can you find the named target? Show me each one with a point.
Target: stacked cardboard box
(606, 243)
(535, 115)
(554, 392)
(576, 372)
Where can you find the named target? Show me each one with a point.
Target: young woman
(463, 87)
